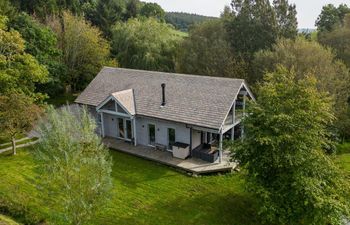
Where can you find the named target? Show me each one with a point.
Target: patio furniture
(181, 150)
(206, 152)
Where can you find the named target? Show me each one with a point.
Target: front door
(151, 134)
(171, 138)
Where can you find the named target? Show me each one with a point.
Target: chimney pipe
(163, 95)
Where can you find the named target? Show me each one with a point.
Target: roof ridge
(177, 74)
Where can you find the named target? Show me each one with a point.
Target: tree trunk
(14, 145)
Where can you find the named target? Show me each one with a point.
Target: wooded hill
(182, 21)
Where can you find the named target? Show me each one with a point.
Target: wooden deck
(192, 165)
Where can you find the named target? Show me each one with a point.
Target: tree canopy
(18, 114)
(84, 49)
(145, 44)
(19, 71)
(305, 57)
(282, 152)
(331, 17)
(41, 42)
(73, 166)
(207, 52)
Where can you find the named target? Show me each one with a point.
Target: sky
(308, 10)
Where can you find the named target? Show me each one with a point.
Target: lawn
(4, 220)
(144, 193)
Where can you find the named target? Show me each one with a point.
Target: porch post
(234, 121)
(233, 133)
(191, 141)
(134, 129)
(220, 147)
(244, 106)
(102, 125)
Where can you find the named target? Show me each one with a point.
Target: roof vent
(163, 95)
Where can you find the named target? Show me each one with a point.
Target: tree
(132, 9)
(339, 40)
(287, 170)
(305, 57)
(19, 71)
(253, 27)
(74, 167)
(145, 44)
(286, 16)
(6, 9)
(207, 51)
(44, 9)
(41, 42)
(261, 22)
(107, 13)
(84, 49)
(152, 10)
(331, 17)
(17, 115)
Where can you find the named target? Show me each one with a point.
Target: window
(152, 134)
(120, 109)
(128, 130)
(110, 105)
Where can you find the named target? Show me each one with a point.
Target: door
(171, 138)
(121, 130)
(128, 129)
(151, 134)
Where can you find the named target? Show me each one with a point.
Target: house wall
(110, 125)
(196, 138)
(182, 134)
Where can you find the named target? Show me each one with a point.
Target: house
(188, 115)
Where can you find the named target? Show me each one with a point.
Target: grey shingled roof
(126, 98)
(197, 100)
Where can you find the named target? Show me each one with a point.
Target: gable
(119, 102)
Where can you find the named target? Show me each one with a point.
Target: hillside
(182, 21)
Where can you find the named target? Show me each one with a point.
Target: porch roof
(197, 100)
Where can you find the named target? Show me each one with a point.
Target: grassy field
(144, 193)
(4, 220)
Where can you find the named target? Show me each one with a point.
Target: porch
(191, 165)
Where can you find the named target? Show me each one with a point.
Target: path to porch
(192, 165)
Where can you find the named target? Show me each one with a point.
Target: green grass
(62, 99)
(343, 148)
(144, 193)
(4, 220)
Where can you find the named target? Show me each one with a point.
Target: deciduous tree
(339, 40)
(41, 42)
(145, 44)
(152, 10)
(84, 49)
(19, 71)
(331, 17)
(287, 170)
(305, 57)
(207, 51)
(17, 115)
(73, 166)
